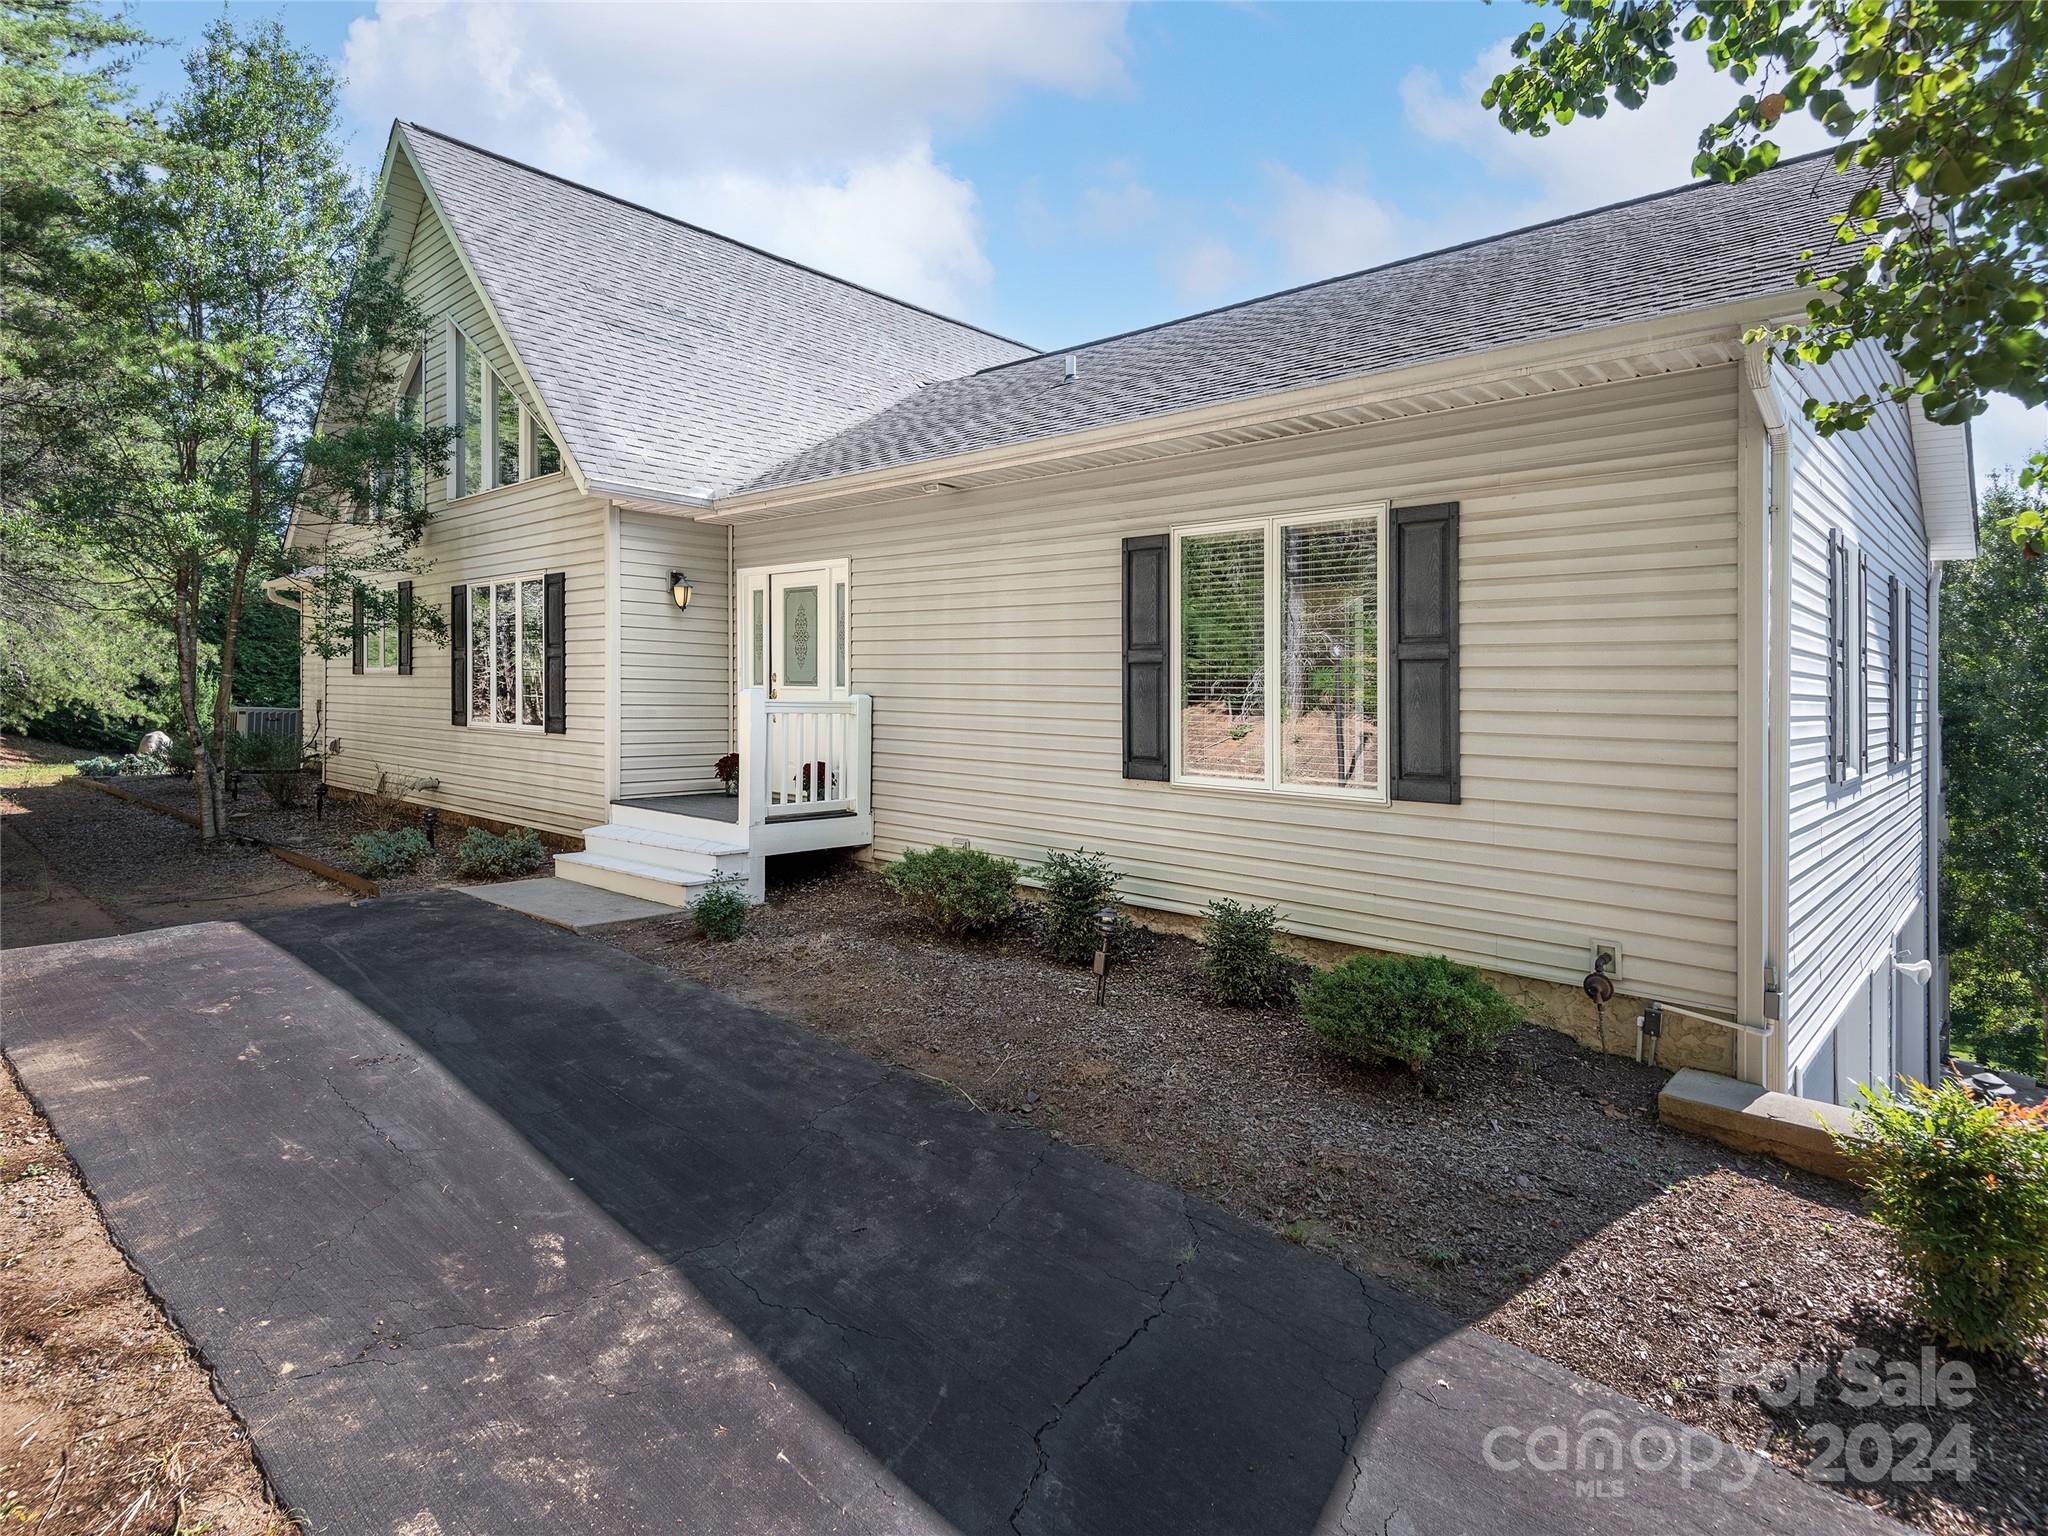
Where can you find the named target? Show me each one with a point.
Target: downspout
(1936, 797)
(732, 646)
(1771, 1063)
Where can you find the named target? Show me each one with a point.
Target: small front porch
(804, 768)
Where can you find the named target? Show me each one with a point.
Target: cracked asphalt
(486, 1228)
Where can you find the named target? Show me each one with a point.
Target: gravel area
(80, 864)
(1534, 1194)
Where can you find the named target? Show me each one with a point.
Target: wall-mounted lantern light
(679, 588)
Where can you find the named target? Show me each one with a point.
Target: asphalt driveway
(488, 1228)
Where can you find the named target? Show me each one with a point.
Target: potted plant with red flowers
(728, 770)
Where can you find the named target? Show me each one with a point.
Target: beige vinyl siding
(675, 680)
(1856, 850)
(401, 726)
(1598, 595)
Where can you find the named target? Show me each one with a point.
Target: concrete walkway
(489, 1228)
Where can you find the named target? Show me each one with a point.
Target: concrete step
(683, 852)
(630, 877)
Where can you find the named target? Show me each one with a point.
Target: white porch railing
(803, 758)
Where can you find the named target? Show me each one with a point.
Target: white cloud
(1590, 161)
(1302, 229)
(1326, 229)
(1119, 205)
(1204, 271)
(808, 129)
(901, 224)
(2005, 437)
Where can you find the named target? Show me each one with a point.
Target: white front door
(793, 623)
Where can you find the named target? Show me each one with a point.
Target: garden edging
(353, 883)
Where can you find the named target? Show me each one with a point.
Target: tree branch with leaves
(1943, 124)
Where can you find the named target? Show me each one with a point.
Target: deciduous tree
(1942, 110)
(240, 277)
(1994, 711)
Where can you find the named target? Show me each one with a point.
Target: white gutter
(694, 501)
(276, 588)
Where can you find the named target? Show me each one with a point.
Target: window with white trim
(499, 441)
(380, 639)
(466, 411)
(507, 630)
(1278, 653)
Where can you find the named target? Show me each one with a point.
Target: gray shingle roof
(1687, 249)
(675, 360)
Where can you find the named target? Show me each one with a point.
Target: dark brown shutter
(1837, 656)
(1861, 618)
(405, 628)
(356, 633)
(458, 655)
(1146, 617)
(1422, 701)
(1906, 710)
(554, 704)
(1895, 675)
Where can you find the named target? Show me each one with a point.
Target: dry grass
(26, 763)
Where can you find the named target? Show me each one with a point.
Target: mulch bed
(1533, 1194)
(107, 1423)
(326, 837)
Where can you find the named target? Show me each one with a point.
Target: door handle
(771, 685)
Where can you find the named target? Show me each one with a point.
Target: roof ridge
(669, 218)
(1404, 261)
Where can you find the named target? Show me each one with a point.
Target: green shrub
(396, 852)
(1076, 886)
(1237, 953)
(137, 765)
(266, 754)
(1960, 1188)
(721, 912)
(276, 763)
(958, 890)
(485, 855)
(1406, 1008)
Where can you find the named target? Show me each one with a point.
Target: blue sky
(1053, 172)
